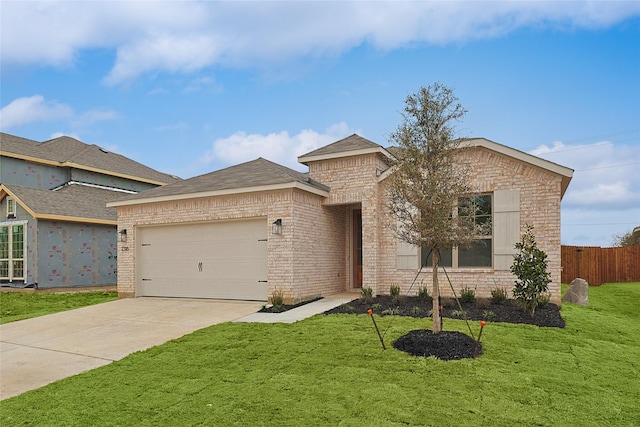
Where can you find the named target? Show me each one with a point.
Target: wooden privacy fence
(599, 265)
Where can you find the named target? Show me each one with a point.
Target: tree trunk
(435, 313)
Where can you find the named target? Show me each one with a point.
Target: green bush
(423, 293)
(277, 299)
(394, 291)
(393, 311)
(498, 296)
(367, 294)
(458, 313)
(467, 295)
(488, 314)
(544, 299)
(530, 267)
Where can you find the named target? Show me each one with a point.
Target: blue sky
(191, 87)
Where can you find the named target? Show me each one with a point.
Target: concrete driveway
(38, 351)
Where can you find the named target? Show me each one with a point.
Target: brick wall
(312, 255)
(272, 205)
(539, 206)
(353, 180)
(306, 260)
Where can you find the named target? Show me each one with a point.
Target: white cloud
(605, 177)
(35, 108)
(32, 109)
(166, 52)
(603, 198)
(278, 147)
(181, 37)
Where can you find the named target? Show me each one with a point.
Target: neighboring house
(55, 227)
(247, 230)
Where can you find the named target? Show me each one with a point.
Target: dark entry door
(357, 248)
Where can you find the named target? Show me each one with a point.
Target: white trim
(305, 159)
(517, 154)
(86, 184)
(226, 192)
(25, 252)
(18, 222)
(11, 201)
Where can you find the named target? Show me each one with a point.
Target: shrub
(377, 307)
(423, 293)
(416, 310)
(544, 299)
(367, 294)
(394, 291)
(530, 267)
(458, 313)
(391, 311)
(277, 299)
(498, 295)
(488, 314)
(467, 295)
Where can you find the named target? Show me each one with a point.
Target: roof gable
(75, 202)
(350, 146)
(565, 172)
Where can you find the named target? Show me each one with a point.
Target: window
(12, 252)
(479, 254)
(11, 208)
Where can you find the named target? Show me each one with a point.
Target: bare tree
(430, 180)
(630, 238)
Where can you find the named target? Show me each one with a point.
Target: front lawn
(331, 370)
(18, 305)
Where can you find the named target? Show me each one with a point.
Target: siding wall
(108, 180)
(27, 174)
(72, 254)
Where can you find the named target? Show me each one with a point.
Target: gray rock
(578, 292)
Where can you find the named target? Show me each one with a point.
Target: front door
(356, 256)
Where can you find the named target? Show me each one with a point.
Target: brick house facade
(335, 233)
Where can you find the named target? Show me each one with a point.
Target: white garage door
(226, 259)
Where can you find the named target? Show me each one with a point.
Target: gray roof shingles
(254, 173)
(70, 150)
(73, 201)
(350, 143)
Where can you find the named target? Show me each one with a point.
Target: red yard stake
(475, 347)
(377, 330)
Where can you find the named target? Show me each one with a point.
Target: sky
(191, 87)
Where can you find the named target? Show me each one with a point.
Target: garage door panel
(215, 260)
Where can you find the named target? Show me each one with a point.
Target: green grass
(18, 306)
(331, 370)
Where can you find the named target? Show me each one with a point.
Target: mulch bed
(445, 345)
(448, 345)
(285, 307)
